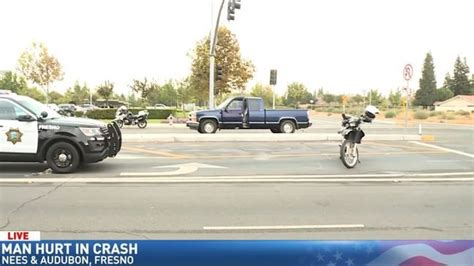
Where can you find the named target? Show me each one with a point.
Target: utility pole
(232, 5)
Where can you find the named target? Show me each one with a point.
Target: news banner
(27, 248)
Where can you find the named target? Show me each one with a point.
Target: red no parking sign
(407, 72)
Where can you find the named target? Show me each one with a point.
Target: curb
(250, 137)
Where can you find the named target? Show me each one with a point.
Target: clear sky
(344, 46)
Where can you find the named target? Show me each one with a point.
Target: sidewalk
(256, 137)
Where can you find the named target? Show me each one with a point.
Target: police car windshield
(37, 107)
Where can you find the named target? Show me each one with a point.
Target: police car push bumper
(107, 144)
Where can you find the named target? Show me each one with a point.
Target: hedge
(110, 113)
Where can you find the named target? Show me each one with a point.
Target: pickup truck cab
(32, 132)
(247, 113)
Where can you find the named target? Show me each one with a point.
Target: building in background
(457, 103)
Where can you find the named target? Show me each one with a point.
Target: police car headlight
(90, 131)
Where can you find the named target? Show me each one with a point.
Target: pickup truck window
(254, 105)
(235, 105)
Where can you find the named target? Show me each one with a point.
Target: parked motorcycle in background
(353, 134)
(124, 117)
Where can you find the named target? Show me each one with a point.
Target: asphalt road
(294, 190)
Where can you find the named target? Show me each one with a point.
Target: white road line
(232, 179)
(443, 149)
(282, 227)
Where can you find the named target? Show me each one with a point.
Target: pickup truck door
(17, 134)
(232, 114)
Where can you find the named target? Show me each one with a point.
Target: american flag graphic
(387, 253)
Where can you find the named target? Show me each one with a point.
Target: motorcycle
(352, 135)
(129, 119)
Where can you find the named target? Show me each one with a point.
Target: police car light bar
(5, 92)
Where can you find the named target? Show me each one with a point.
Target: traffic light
(232, 5)
(219, 72)
(273, 77)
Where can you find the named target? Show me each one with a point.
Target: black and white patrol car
(31, 132)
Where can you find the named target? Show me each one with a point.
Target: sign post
(407, 75)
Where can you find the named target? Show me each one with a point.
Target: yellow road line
(161, 153)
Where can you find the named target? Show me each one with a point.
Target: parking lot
(247, 190)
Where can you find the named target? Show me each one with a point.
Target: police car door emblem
(14, 135)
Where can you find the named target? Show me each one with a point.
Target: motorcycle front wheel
(142, 124)
(349, 154)
(119, 123)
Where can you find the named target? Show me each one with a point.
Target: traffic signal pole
(212, 56)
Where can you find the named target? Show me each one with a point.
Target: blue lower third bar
(274, 253)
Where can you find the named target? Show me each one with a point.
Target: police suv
(31, 132)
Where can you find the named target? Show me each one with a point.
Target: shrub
(462, 112)
(390, 114)
(448, 116)
(421, 115)
(109, 114)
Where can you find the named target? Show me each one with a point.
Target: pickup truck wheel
(287, 126)
(208, 126)
(62, 158)
(275, 130)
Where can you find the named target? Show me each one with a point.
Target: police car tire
(75, 161)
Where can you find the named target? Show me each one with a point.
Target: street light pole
(212, 56)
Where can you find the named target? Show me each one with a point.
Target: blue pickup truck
(247, 113)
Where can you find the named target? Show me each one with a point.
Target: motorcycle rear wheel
(348, 158)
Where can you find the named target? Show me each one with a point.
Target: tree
(356, 99)
(12, 82)
(106, 90)
(426, 95)
(79, 94)
(264, 91)
(144, 88)
(168, 94)
(236, 72)
(395, 98)
(329, 98)
(460, 84)
(184, 91)
(40, 67)
(297, 93)
(56, 97)
(375, 98)
(442, 94)
(34, 93)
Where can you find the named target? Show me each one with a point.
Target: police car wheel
(62, 157)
